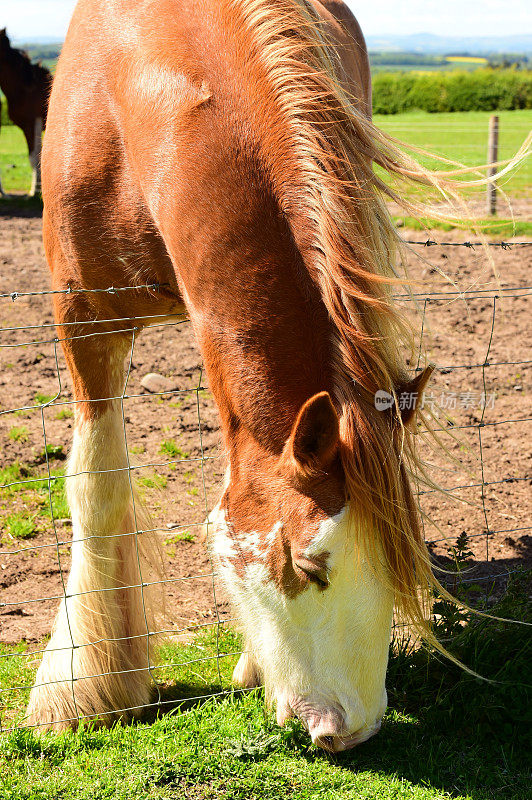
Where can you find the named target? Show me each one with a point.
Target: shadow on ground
(449, 729)
(18, 205)
(440, 753)
(492, 574)
(181, 697)
(445, 729)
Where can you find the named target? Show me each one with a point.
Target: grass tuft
(42, 399)
(20, 527)
(153, 481)
(170, 448)
(65, 413)
(19, 434)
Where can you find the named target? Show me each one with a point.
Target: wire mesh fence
(180, 481)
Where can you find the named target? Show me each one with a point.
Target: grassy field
(15, 170)
(445, 735)
(445, 65)
(462, 137)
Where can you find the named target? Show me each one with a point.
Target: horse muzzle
(327, 725)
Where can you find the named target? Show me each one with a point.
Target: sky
(27, 19)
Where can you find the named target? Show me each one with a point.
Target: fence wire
(25, 489)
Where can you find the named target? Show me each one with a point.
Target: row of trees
(398, 59)
(389, 58)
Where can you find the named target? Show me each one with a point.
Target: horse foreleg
(97, 662)
(35, 158)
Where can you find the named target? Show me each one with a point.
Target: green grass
(460, 136)
(502, 228)
(15, 169)
(51, 451)
(66, 413)
(20, 526)
(424, 68)
(183, 536)
(153, 481)
(170, 448)
(8, 475)
(445, 735)
(42, 399)
(33, 490)
(19, 433)
(463, 137)
(57, 492)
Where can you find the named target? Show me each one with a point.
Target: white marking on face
(272, 535)
(329, 532)
(223, 545)
(227, 545)
(320, 650)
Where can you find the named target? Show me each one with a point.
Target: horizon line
(61, 38)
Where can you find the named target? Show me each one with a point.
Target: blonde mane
(322, 151)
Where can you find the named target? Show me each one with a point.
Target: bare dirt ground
(180, 471)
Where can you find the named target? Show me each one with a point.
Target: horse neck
(10, 82)
(260, 320)
(17, 76)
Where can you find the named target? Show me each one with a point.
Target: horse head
(5, 44)
(315, 616)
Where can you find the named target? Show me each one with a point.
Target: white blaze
(328, 648)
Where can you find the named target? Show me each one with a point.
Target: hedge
(480, 90)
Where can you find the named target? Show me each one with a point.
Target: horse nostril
(326, 743)
(335, 743)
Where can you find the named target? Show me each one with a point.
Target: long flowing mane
(320, 153)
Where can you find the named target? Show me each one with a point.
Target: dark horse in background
(27, 89)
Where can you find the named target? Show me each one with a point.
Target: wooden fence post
(493, 157)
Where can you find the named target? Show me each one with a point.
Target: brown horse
(223, 149)
(27, 89)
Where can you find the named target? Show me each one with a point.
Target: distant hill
(432, 43)
(35, 40)
(413, 43)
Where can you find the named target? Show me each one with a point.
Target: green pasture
(463, 137)
(446, 734)
(424, 68)
(15, 170)
(460, 137)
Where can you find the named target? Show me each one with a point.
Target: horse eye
(315, 572)
(322, 582)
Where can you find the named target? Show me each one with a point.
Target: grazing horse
(27, 89)
(223, 149)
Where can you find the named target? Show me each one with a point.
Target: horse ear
(410, 393)
(315, 435)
